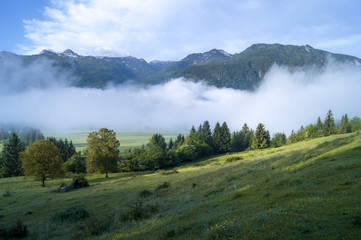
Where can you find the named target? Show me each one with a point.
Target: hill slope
(243, 70)
(308, 190)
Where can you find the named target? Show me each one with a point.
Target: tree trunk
(106, 174)
(43, 182)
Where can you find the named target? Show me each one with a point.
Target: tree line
(51, 157)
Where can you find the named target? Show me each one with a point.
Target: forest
(102, 152)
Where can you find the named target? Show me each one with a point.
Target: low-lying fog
(285, 101)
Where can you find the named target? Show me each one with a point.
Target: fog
(285, 101)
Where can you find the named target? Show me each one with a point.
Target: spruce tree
(225, 139)
(10, 156)
(329, 124)
(345, 125)
(206, 133)
(216, 137)
(262, 138)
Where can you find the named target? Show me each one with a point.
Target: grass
(127, 138)
(307, 190)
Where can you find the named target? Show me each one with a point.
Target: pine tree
(216, 137)
(225, 139)
(10, 156)
(345, 125)
(329, 125)
(319, 127)
(262, 138)
(206, 133)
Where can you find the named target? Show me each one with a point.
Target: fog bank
(285, 101)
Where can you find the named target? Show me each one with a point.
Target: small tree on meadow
(102, 150)
(41, 160)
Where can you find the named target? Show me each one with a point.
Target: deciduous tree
(102, 151)
(41, 160)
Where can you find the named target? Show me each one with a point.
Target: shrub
(233, 158)
(72, 214)
(165, 172)
(138, 211)
(80, 181)
(17, 230)
(7, 193)
(163, 186)
(145, 193)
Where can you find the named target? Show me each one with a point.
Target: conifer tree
(345, 125)
(262, 138)
(10, 161)
(319, 127)
(329, 124)
(206, 133)
(225, 140)
(216, 137)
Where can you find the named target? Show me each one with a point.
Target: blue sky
(171, 29)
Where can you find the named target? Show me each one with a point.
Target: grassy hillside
(308, 190)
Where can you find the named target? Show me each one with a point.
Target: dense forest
(102, 151)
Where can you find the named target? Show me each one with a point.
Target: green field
(127, 138)
(307, 190)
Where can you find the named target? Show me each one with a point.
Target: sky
(172, 29)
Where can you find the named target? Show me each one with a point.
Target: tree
(216, 137)
(262, 138)
(10, 161)
(102, 151)
(319, 127)
(355, 124)
(345, 125)
(41, 160)
(206, 133)
(156, 151)
(278, 140)
(225, 140)
(329, 124)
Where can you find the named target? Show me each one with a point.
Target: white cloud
(171, 29)
(285, 101)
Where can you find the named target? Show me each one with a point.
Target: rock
(68, 187)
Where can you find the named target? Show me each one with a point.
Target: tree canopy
(102, 151)
(41, 160)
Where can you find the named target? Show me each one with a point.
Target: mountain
(243, 70)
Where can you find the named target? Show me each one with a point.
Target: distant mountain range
(243, 70)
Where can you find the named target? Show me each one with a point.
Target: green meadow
(127, 138)
(306, 190)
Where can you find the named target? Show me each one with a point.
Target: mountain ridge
(244, 70)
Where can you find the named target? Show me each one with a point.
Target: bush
(138, 211)
(233, 158)
(7, 193)
(163, 186)
(80, 181)
(17, 230)
(76, 164)
(145, 193)
(72, 214)
(165, 172)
